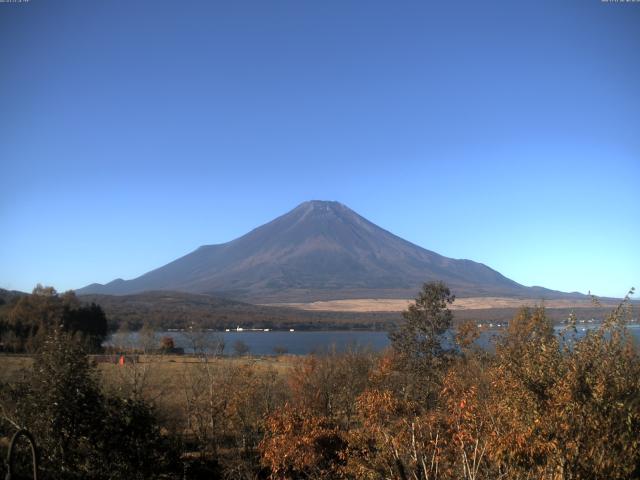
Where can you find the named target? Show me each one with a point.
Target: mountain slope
(319, 250)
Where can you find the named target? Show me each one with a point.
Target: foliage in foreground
(81, 432)
(540, 405)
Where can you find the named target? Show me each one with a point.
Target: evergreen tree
(418, 342)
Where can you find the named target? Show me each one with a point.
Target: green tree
(130, 444)
(89, 322)
(31, 318)
(61, 404)
(81, 432)
(418, 341)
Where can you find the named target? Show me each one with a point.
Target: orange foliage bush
(299, 444)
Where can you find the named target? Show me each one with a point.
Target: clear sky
(132, 132)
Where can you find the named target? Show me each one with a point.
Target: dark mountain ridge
(319, 250)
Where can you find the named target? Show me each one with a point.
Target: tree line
(432, 406)
(27, 321)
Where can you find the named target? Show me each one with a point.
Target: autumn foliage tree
(542, 402)
(308, 437)
(298, 443)
(567, 407)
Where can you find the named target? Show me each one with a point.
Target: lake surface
(302, 342)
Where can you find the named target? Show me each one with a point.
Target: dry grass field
(160, 379)
(14, 367)
(397, 305)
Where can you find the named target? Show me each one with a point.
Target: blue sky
(504, 132)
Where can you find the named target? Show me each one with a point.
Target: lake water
(305, 342)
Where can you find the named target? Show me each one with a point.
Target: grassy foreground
(161, 379)
(540, 405)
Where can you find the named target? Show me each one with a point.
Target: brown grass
(399, 304)
(161, 377)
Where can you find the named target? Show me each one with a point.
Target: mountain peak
(322, 206)
(320, 203)
(320, 250)
(322, 213)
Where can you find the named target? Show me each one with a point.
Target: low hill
(164, 310)
(6, 296)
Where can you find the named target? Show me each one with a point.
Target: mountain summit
(318, 251)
